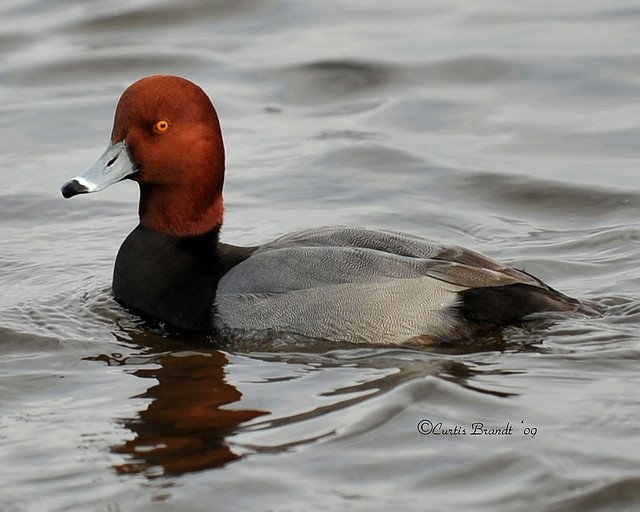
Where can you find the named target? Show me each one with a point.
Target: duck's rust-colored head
(166, 136)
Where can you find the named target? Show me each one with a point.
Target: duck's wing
(365, 285)
(450, 263)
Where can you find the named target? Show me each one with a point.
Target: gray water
(512, 128)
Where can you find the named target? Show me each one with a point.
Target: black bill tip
(73, 188)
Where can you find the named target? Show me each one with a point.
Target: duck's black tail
(497, 306)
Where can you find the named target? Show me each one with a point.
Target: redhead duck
(336, 283)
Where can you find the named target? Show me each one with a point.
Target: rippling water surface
(512, 128)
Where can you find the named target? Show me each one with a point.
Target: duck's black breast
(173, 279)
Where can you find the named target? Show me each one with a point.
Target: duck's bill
(114, 165)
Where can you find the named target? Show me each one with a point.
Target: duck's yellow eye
(161, 126)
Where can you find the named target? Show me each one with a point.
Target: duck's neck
(184, 211)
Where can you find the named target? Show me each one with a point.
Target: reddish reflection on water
(185, 426)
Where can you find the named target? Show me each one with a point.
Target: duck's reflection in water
(185, 426)
(189, 423)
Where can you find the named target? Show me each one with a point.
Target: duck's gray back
(355, 285)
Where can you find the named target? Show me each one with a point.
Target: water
(511, 128)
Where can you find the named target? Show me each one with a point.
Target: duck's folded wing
(355, 284)
(462, 265)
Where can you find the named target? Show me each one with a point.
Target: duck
(336, 283)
